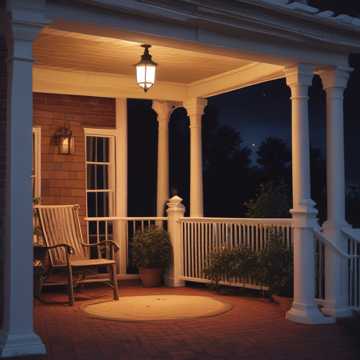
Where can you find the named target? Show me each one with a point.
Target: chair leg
(70, 286)
(114, 281)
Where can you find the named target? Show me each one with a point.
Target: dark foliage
(179, 150)
(271, 267)
(228, 176)
(226, 263)
(271, 201)
(275, 266)
(142, 149)
(274, 158)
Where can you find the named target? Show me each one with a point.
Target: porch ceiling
(116, 56)
(79, 63)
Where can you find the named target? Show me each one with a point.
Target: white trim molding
(75, 82)
(247, 75)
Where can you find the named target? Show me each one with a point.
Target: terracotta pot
(284, 302)
(150, 277)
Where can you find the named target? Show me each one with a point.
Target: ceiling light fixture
(146, 70)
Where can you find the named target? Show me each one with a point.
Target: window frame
(36, 133)
(112, 136)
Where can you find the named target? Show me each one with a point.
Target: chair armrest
(104, 243)
(67, 248)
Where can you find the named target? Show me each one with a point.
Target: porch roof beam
(85, 83)
(252, 74)
(73, 82)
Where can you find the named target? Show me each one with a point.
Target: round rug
(157, 307)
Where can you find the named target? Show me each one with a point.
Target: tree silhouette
(142, 149)
(228, 177)
(274, 158)
(179, 152)
(271, 201)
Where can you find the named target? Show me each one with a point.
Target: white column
(304, 309)
(17, 335)
(195, 109)
(163, 110)
(336, 285)
(175, 211)
(121, 169)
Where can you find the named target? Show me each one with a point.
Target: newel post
(175, 211)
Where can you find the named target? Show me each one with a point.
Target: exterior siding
(63, 176)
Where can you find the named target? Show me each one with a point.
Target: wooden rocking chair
(61, 230)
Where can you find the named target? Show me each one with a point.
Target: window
(36, 177)
(36, 163)
(100, 181)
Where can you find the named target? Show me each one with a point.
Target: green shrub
(230, 263)
(275, 266)
(271, 267)
(151, 248)
(272, 201)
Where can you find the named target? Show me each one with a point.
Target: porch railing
(353, 249)
(351, 256)
(121, 230)
(201, 236)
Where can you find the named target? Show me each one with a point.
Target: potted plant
(275, 269)
(151, 254)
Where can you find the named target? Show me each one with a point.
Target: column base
(19, 345)
(336, 311)
(307, 314)
(173, 282)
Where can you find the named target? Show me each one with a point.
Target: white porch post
(304, 309)
(163, 110)
(121, 182)
(195, 109)
(336, 286)
(17, 335)
(175, 211)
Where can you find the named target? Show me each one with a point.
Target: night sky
(265, 110)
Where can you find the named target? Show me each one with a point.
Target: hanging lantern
(65, 141)
(146, 70)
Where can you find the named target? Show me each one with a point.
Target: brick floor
(253, 329)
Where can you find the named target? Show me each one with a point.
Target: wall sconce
(146, 70)
(65, 141)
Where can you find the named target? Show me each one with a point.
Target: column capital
(299, 75)
(195, 109)
(163, 110)
(336, 77)
(23, 23)
(195, 105)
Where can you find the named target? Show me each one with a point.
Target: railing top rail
(353, 234)
(121, 218)
(321, 237)
(39, 206)
(283, 222)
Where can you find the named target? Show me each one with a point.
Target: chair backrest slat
(60, 224)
